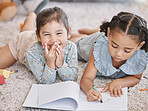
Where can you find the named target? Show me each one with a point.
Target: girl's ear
(140, 45)
(38, 36)
(69, 33)
(108, 32)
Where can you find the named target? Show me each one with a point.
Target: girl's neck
(117, 64)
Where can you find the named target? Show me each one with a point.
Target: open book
(68, 96)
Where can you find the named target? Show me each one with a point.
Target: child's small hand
(59, 56)
(114, 88)
(50, 56)
(92, 95)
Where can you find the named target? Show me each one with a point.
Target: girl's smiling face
(121, 46)
(53, 32)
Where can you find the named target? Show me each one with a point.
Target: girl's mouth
(117, 59)
(50, 45)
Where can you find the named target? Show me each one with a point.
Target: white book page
(109, 103)
(62, 95)
(32, 97)
(64, 90)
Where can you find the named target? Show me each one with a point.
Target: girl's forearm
(128, 81)
(86, 84)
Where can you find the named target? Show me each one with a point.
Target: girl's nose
(53, 38)
(119, 53)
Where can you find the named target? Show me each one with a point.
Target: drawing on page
(105, 98)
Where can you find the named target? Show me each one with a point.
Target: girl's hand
(50, 56)
(114, 88)
(92, 95)
(59, 57)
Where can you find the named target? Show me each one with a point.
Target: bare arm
(130, 80)
(115, 86)
(89, 75)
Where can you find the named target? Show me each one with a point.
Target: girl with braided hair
(118, 51)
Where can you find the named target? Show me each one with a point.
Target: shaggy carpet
(90, 15)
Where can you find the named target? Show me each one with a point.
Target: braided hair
(130, 24)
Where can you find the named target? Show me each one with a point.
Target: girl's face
(53, 32)
(121, 46)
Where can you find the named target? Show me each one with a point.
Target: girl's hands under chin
(50, 55)
(59, 56)
(114, 88)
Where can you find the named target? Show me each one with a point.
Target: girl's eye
(59, 33)
(127, 51)
(114, 46)
(46, 34)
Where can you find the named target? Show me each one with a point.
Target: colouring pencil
(143, 89)
(97, 92)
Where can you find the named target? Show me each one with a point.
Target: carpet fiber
(16, 88)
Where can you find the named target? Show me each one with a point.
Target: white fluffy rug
(16, 88)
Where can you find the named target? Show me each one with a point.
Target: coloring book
(68, 96)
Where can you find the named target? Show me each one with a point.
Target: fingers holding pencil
(99, 97)
(92, 95)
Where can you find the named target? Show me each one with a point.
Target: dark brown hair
(49, 15)
(130, 24)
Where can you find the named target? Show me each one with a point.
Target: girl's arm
(115, 86)
(89, 75)
(40, 70)
(130, 81)
(69, 70)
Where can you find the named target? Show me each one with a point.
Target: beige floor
(14, 91)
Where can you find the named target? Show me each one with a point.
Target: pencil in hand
(98, 93)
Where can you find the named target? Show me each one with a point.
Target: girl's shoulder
(101, 53)
(70, 48)
(101, 37)
(35, 48)
(139, 57)
(35, 51)
(101, 42)
(100, 45)
(70, 45)
(137, 63)
(36, 45)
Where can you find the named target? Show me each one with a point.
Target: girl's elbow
(138, 80)
(135, 83)
(75, 78)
